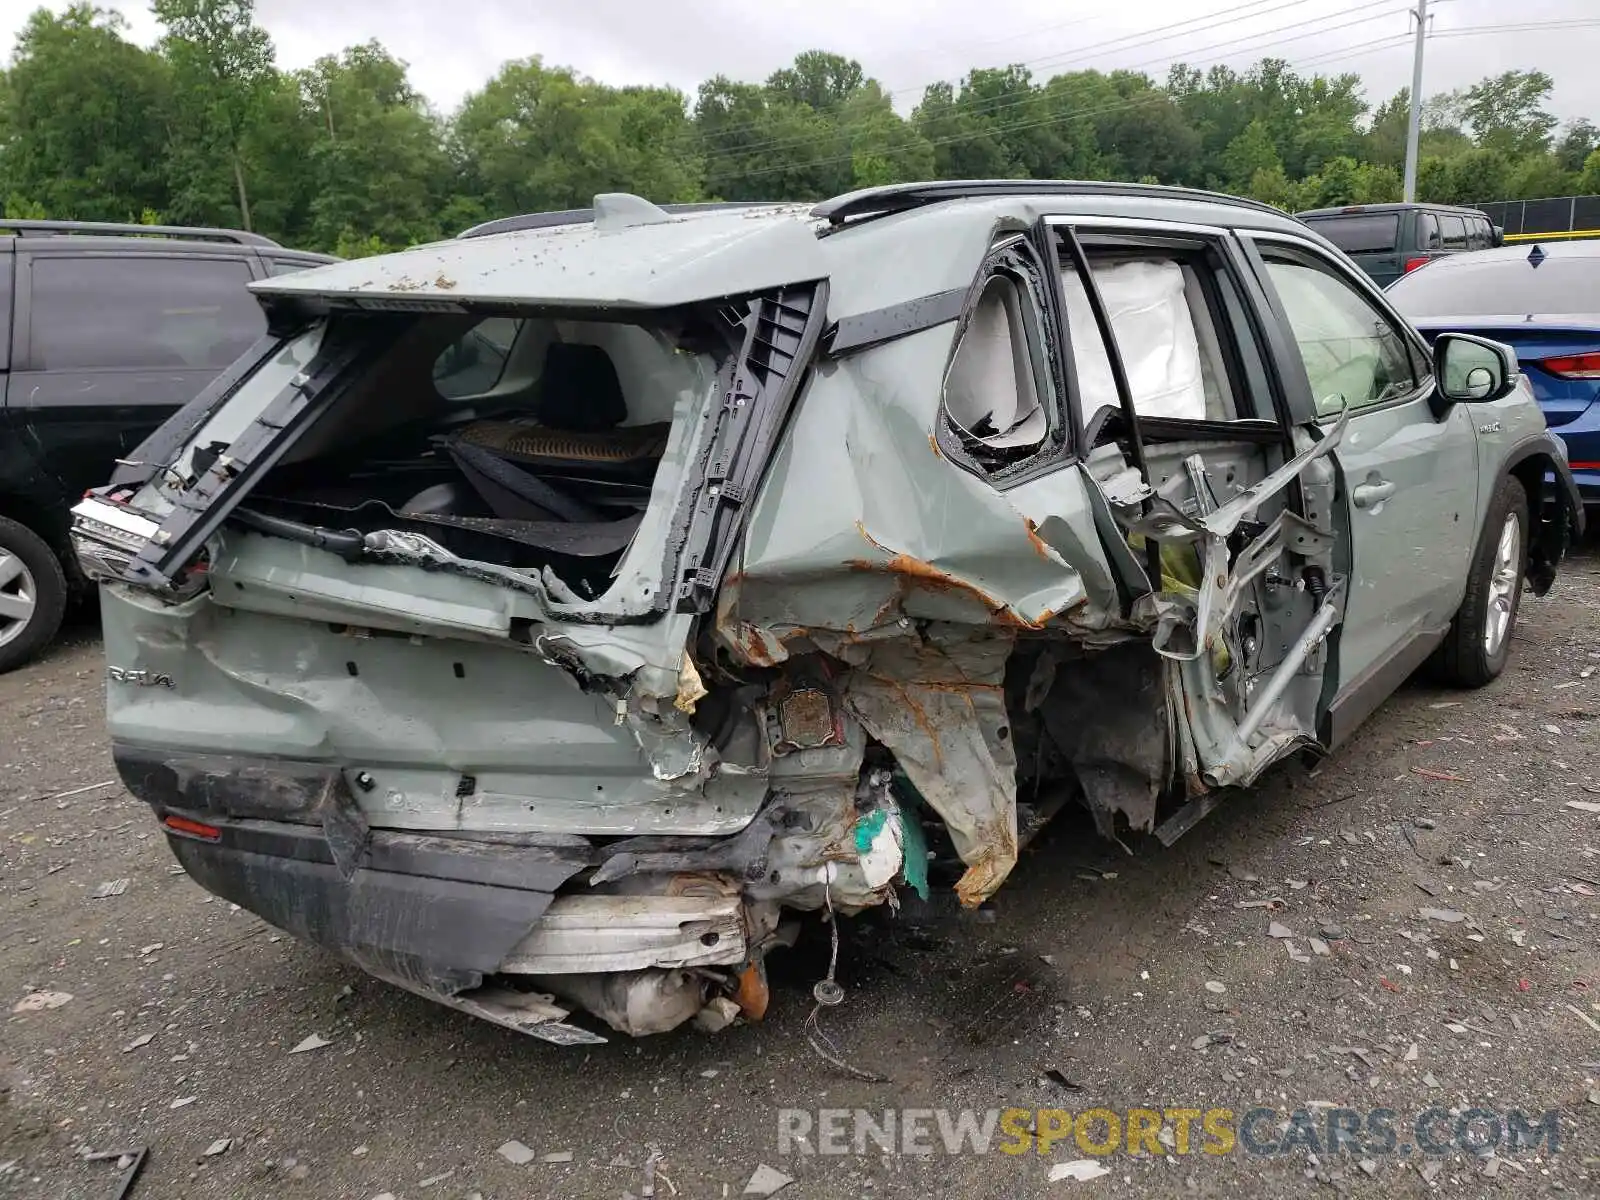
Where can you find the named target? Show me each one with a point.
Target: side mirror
(1469, 369)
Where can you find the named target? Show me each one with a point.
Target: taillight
(1574, 366)
(1413, 263)
(199, 829)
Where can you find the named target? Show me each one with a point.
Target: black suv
(1387, 240)
(109, 329)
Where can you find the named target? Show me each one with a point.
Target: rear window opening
(529, 442)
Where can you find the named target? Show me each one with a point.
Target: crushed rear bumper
(435, 915)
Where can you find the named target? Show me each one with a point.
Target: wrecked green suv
(541, 619)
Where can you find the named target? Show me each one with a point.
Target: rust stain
(861, 528)
(753, 647)
(752, 995)
(914, 572)
(1040, 546)
(920, 716)
(933, 444)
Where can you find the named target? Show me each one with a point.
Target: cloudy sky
(453, 48)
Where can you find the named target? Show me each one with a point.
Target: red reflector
(1574, 366)
(197, 829)
(1413, 263)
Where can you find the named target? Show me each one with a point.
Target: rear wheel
(1479, 642)
(33, 594)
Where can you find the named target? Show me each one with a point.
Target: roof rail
(128, 228)
(585, 216)
(902, 197)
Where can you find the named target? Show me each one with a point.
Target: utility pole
(1414, 127)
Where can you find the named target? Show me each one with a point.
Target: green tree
(223, 77)
(540, 137)
(1385, 140)
(818, 79)
(1252, 151)
(377, 158)
(87, 114)
(1506, 112)
(1272, 186)
(884, 147)
(1578, 141)
(1536, 176)
(1326, 113)
(1140, 131)
(1589, 180)
(1475, 175)
(966, 144)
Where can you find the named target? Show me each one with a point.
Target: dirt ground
(1098, 980)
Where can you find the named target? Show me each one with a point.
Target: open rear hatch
(318, 568)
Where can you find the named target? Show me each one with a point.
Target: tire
(1473, 654)
(33, 594)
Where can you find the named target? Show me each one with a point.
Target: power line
(992, 105)
(1016, 37)
(1525, 27)
(1000, 131)
(1160, 33)
(1154, 97)
(1129, 104)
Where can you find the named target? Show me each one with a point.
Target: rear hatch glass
(1360, 233)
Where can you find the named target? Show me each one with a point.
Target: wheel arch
(49, 523)
(1555, 513)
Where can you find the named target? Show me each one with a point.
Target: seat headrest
(580, 390)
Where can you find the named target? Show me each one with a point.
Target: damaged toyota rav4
(547, 618)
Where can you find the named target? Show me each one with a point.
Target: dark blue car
(1543, 300)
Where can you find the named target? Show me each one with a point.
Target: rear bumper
(434, 915)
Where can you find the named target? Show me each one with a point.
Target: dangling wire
(829, 994)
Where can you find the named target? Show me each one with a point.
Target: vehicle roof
(1396, 206)
(876, 248)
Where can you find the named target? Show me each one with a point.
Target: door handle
(1372, 493)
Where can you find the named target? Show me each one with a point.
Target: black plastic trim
(162, 446)
(902, 197)
(781, 332)
(868, 329)
(207, 503)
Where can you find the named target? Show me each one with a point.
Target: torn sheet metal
(1167, 522)
(1108, 714)
(939, 705)
(903, 535)
(590, 933)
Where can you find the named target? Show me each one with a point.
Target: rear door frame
(1227, 757)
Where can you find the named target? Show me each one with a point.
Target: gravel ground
(1097, 980)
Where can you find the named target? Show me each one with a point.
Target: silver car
(544, 618)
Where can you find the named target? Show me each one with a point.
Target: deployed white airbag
(989, 392)
(1155, 333)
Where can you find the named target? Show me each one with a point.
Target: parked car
(779, 549)
(109, 329)
(1388, 240)
(1544, 301)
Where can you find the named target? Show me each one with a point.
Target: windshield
(1359, 233)
(1467, 285)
